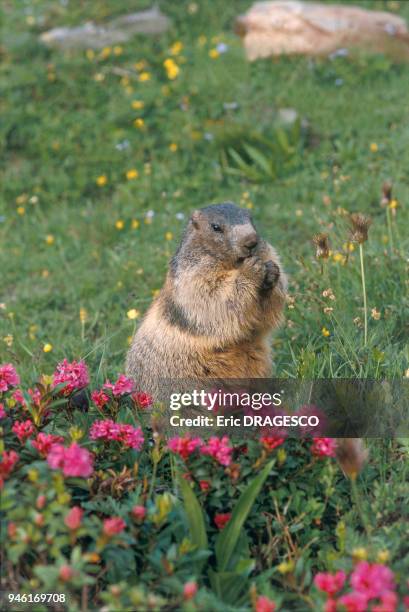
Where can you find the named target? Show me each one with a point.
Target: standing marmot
(223, 294)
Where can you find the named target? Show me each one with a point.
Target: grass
(68, 244)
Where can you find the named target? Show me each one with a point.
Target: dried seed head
(352, 455)
(386, 193)
(360, 225)
(321, 243)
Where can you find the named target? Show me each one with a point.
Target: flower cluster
(142, 400)
(184, 446)
(123, 433)
(23, 430)
(73, 460)
(122, 386)
(73, 375)
(44, 442)
(219, 449)
(7, 463)
(8, 377)
(324, 447)
(373, 587)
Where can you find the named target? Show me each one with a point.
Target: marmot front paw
(255, 267)
(271, 275)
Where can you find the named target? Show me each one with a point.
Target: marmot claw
(271, 275)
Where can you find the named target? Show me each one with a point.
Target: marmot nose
(251, 241)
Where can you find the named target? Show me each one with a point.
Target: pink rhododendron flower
(372, 579)
(324, 447)
(73, 461)
(99, 398)
(8, 377)
(264, 604)
(74, 374)
(204, 485)
(23, 429)
(35, 395)
(66, 573)
(354, 602)
(330, 605)
(7, 463)
(3, 413)
(139, 512)
(388, 603)
(184, 446)
(330, 583)
(74, 518)
(113, 525)
(44, 442)
(18, 397)
(219, 449)
(143, 400)
(122, 386)
(189, 590)
(271, 442)
(127, 435)
(221, 519)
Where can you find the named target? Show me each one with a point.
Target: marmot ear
(195, 218)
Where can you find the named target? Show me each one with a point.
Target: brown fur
(222, 297)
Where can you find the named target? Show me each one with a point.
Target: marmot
(224, 293)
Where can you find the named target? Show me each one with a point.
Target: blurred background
(106, 151)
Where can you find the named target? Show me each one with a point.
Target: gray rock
(119, 30)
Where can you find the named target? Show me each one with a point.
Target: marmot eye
(216, 227)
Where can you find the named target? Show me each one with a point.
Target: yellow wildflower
(134, 223)
(173, 147)
(133, 314)
(168, 236)
(139, 123)
(50, 239)
(101, 180)
(90, 54)
(144, 76)
(106, 52)
(132, 174)
(21, 210)
(47, 348)
(118, 50)
(140, 65)
(137, 104)
(393, 204)
(119, 224)
(83, 315)
(213, 53)
(176, 48)
(383, 556)
(360, 553)
(339, 258)
(373, 147)
(8, 340)
(172, 69)
(202, 40)
(325, 332)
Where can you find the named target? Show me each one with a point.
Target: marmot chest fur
(223, 295)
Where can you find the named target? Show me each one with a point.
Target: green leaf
(227, 540)
(194, 515)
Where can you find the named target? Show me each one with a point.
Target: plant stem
(361, 255)
(389, 223)
(357, 502)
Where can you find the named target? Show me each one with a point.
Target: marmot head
(222, 231)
